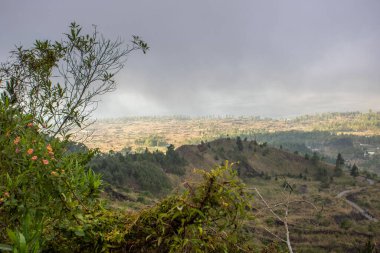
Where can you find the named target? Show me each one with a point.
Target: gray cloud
(269, 58)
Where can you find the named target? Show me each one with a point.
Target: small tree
(354, 170)
(239, 143)
(315, 158)
(339, 163)
(48, 195)
(173, 163)
(59, 83)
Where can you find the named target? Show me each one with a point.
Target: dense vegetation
(140, 171)
(50, 197)
(45, 191)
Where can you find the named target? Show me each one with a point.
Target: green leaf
(5, 247)
(22, 243)
(159, 241)
(12, 235)
(200, 230)
(79, 233)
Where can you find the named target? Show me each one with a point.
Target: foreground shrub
(39, 180)
(205, 218)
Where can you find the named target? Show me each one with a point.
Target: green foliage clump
(173, 163)
(346, 224)
(86, 64)
(121, 170)
(205, 218)
(39, 180)
(322, 174)
(141, 171)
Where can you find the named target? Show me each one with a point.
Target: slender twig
(270, 232)
(267, 205)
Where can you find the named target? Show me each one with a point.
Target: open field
(157, 132)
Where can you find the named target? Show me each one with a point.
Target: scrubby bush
(206, 218)
(346, 224)
(39, 180)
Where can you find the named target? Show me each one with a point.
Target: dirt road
(355, 206)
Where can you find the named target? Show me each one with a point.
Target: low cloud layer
(268, 58)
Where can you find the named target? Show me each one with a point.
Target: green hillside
(318, 221)
(254, 160)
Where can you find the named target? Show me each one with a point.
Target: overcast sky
(269, 58)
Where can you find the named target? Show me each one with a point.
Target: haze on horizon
(268, 58)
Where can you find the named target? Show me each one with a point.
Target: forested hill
(154, 171)
(253, 159)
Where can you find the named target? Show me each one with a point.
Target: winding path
(355, 206)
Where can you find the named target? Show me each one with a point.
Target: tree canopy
(59, 83)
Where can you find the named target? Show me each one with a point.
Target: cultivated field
(156, 132)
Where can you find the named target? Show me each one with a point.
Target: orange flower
(17, 140)
(30, 124)
(34, 158)
(54, 173)
(49, 148)
(44, 161)
(30, 151)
